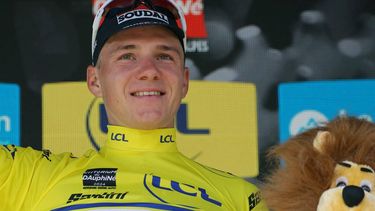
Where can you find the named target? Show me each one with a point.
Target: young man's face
(141, 77)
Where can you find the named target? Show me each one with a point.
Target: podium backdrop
(216, 123)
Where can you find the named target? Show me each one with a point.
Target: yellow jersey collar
(129, 139)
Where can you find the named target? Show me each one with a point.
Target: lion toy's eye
(341, 182)
(366, 185)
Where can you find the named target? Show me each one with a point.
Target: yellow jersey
(134, 170)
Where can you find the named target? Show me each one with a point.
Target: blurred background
(265, 42)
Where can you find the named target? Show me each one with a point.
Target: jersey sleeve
(241, 194)
(18, 169)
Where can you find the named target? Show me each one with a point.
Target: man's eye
(127, 57)
(164, 57)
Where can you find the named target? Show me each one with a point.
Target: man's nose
(148, 70)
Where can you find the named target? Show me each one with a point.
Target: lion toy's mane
(304, 173)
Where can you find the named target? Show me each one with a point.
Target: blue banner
(306, 105)
(9, 114)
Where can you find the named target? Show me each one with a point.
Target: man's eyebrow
(169, 48)
(132, 47)
(123, 47)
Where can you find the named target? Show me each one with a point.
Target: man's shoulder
(14, 152)
(226, 179)
(236, 188)
(29, 154)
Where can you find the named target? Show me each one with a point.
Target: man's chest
(112, 188)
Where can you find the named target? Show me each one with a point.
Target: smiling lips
(147, 93)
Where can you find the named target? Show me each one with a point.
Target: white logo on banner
(5, 123)
(367, 117)
(305, 120)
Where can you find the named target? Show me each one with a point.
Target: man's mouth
(150, 93)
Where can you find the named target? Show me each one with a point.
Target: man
(138, 69)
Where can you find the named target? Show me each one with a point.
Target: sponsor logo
(191, 7)
(141, 14)
(155, 184)
(305, 120)
(194, 14)
(167, 139)
(196, 26)
(197, 45)
(344, 112)
(100, 178)
(118, 137)
(254, 200)
(308, 119)
(81, 196)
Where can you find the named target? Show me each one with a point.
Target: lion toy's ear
(321, 138)
(352, 189)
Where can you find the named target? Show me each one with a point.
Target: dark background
(265, 42)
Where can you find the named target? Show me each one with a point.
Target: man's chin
(149, 125)
(153, 121)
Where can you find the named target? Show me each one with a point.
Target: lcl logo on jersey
(167, 139)
(118, 137)
(157, 186)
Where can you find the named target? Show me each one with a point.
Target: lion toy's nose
(353, 195)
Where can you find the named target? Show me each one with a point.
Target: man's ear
(93, 82)
(185, 85)
(321, 138)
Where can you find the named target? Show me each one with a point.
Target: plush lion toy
(326, 168)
